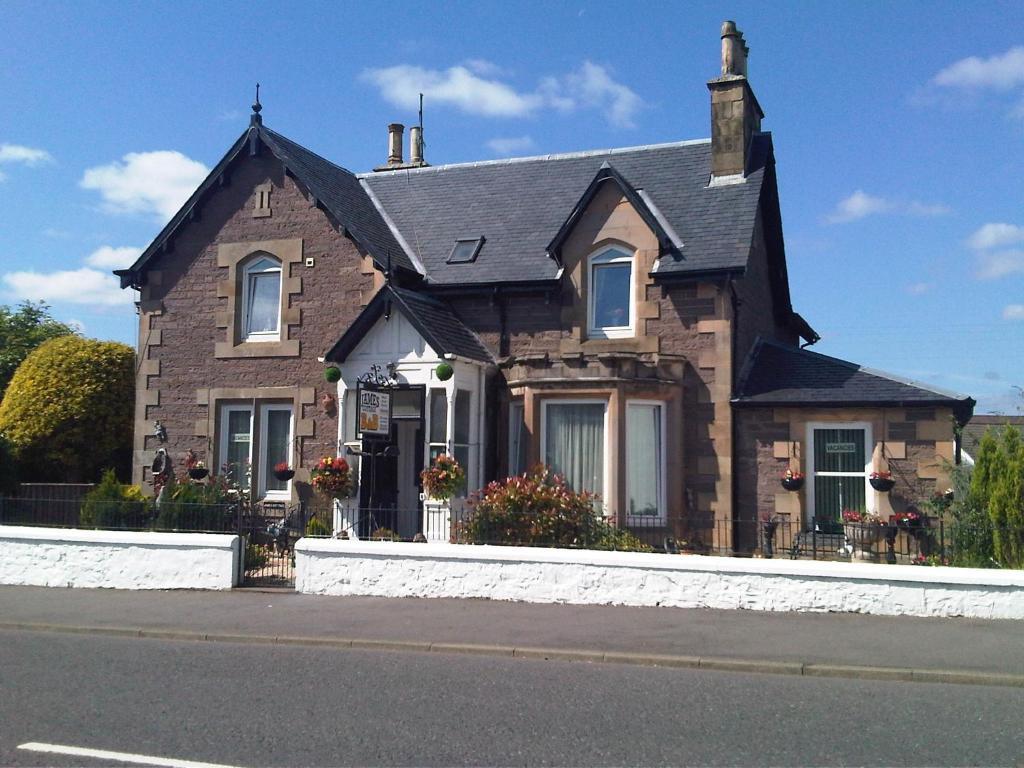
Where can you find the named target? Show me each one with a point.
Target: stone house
(622, 316)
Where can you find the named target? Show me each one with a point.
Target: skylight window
(465, 250)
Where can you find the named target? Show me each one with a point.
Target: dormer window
(261, 305)
(611, 312)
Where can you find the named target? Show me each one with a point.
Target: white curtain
(575, 444)
(643, 458)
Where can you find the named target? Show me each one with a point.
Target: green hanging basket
(444, 371)
(332, 374)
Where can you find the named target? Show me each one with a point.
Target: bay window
(573, 442)
(645, 462)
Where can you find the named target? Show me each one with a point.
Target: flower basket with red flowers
(882, 481)
(332, 477)
(792, 481)
(283, 472)
(444, 479)
(907, 520)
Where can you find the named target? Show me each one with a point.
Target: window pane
(839, 450)
(264, 302)
(611, 295)
(462, 398)
(574, 444)
(643, 458)
(239, 442)
(438, 416)
(405, 403)
(516, 440)
(279, 424)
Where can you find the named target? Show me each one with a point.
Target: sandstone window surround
(611, 304)
(243, 261)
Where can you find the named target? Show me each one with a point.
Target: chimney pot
(416, 145)
(734, 51)
(735, 114)
(395, 131)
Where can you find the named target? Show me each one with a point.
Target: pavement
(968, 651)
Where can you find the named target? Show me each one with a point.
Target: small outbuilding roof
(776, 374)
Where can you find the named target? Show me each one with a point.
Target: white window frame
(264, 410)
(246, 284)
(606, 478)
(662, 515)
(222, 442)
(870, 496)
(610, 255)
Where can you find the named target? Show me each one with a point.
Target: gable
(393, 338)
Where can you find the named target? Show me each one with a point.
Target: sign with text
(840, 447)
(374, 411)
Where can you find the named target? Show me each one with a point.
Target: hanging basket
(444, 371)
(792, 483)
(332, 374)
(198, 473)
(882, 484)
(284, 475)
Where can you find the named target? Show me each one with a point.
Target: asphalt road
(249, 705)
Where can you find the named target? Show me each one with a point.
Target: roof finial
(255, 119)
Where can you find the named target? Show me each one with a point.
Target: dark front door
(378, 493)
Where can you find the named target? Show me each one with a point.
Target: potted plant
(194, 466)
(444, 479)
(283, 472)
(769, 524)
(882, 481)
(792, 481)
(332, 477)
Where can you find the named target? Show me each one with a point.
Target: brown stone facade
(914, 444)
(191, 358)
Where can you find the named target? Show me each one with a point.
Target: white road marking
(121, 757)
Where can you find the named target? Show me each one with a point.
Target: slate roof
(777, 374)
(979, 425)
(518, 205)
(433, 318)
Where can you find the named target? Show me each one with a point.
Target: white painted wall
(538, 575)
(60, 557)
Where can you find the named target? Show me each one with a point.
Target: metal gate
(269, 531)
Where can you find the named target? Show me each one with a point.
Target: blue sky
(899, 134)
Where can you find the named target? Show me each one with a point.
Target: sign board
(840, 447)
(374, 411)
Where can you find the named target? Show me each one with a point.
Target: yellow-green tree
(68, 410)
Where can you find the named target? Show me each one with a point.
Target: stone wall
(60, 557)
(582, 577)
(186, 316)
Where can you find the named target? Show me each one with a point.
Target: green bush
(68, 410)
(256, 556)
(538, 508)
(196, 507)
(114, 505)
(997, 486)
(317, 527)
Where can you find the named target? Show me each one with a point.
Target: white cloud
(511, 146)
(109, 257)
(1000, 264)
(475, 88)
(1013, 312)
(1000, 72)
(15, 153)
(76, 286)
(860, 205)
(995, 235)
(146, 182)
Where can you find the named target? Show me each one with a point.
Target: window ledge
(288, 348)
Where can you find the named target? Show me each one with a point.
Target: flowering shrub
(444, 479)
(332, 477)
(538, 508)
(863, 518)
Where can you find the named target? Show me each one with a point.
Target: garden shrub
(68, 410)
(317, 527)
(997, 494)
(539, 509)
(197, 507)
(112, 504)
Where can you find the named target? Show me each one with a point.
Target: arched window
(261, 303)
(611, 310)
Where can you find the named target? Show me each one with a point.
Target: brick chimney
(735, 114)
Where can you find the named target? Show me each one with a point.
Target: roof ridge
(537, 158)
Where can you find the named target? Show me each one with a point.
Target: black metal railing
(131, 515)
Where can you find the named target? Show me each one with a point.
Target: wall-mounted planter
(792, 483)
(198, 473)
(882, 484)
